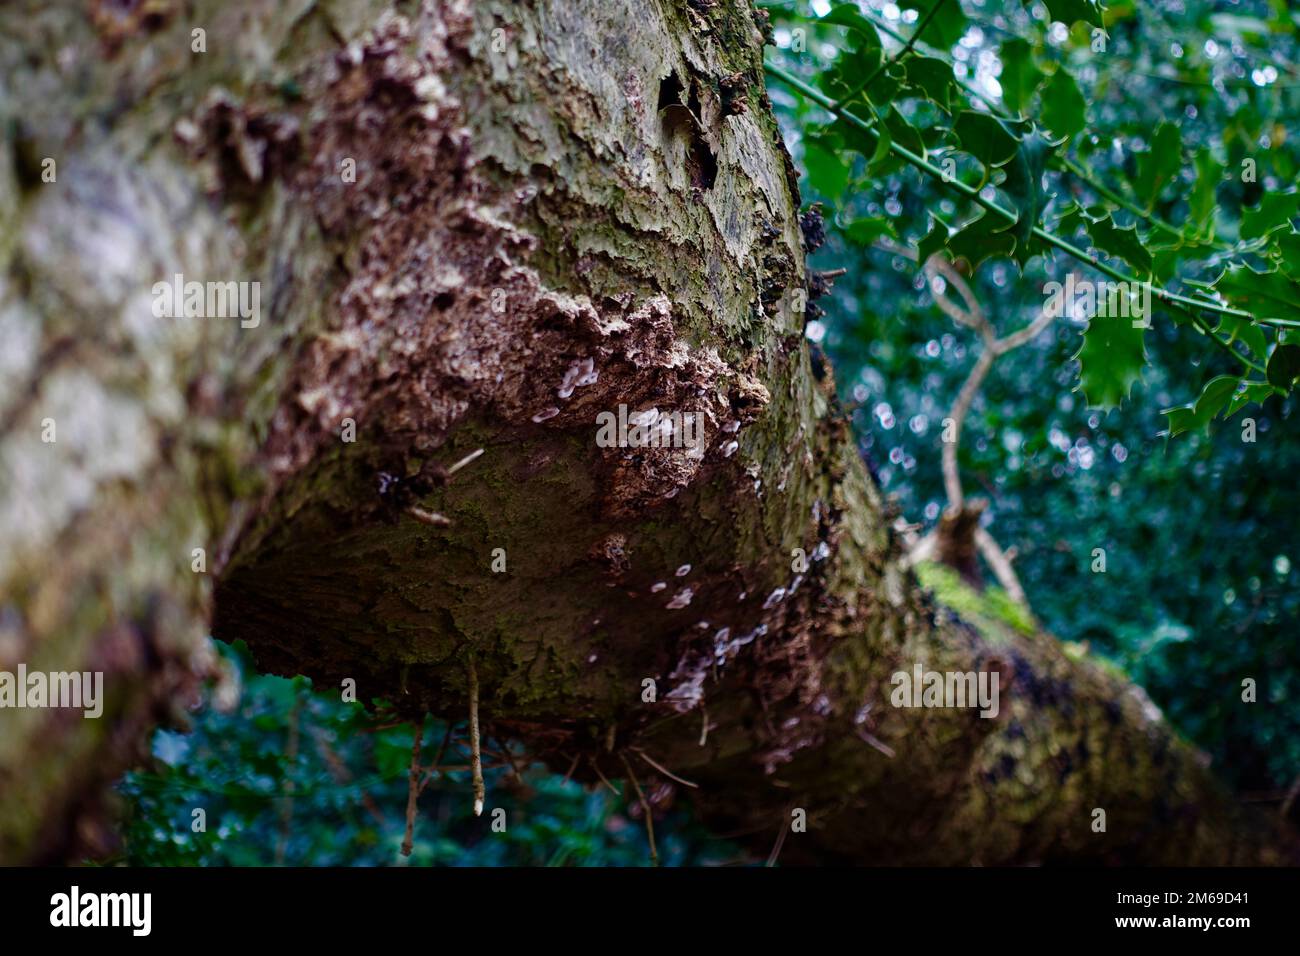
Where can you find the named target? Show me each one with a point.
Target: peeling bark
(558, 208)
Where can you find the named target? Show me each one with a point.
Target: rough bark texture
(558, 208)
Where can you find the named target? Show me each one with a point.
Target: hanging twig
(596, 767)
(413, 789)
(475, 754)
(780, 837)
(662, 769)
(645, 809)
(572, 767)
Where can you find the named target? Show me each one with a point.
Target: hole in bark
(444, 300)
(679, 118)
(670, 91)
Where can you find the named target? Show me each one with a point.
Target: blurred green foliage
(1199, 530)
(299, 778)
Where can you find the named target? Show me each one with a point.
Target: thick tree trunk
(479, 225)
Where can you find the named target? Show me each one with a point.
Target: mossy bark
(478, 226)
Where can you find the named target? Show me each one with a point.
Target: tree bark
(558, 208)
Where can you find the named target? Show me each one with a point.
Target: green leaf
(1199, 414)
(936, 240)
(904, 133)
(848, 15)
(948, 25)
(1287, 247)
(1209, 173)
(1024, 186)
(868, 229)
(828, 173)
(990, 140)
(983, 238)
(933, 77)
(1274, 211)
(1111, 360)
(1267, 295)
(1070, 11)
(1020, 77)
(1063, 105)
(1121, 242)
(1254, 392)
(1159, 164)
(880, 155)
(1244, 330)
(851, 67)
(1284, 366)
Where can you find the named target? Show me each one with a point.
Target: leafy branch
(1189, 306)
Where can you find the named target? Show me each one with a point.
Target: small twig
(704, 724)
(876, 742)
(413, 789)
(339, 769)
(475, 754)
(572, 767)
(662, 769)
(645, 809)
(780, 839)
(463, 462)
(428, 517)
(1291, 796)
(1000, 562)
(436, 767)
(596, 767)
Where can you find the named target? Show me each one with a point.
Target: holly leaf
(1254, 392)
(1197, 415)
(828, 173)
(982, 238)
(1246, 331)
(1284, 366)
(1020, 77)
(1209, 173)
(1071, 11)
(1159, 164)
(1111, 359)
(1063, 105)
(989, 139)
(868, 229)
(848, 15)
(936, 240)
(947, 26)
(1123, 243)
(933, 77)
(1287, 253)
(1274, 211)
(1267, 295)
(1024, 186)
